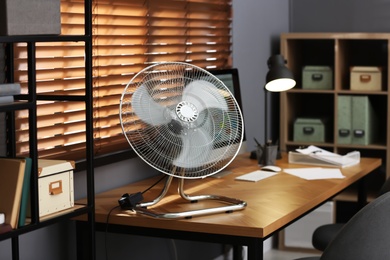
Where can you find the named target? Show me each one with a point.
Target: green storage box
(309, 130)
(317, 77)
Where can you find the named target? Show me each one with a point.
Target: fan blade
(147, 109)
(196, 149)
(203, 94)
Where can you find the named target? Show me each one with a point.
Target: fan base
(235, 205)
(229, 204)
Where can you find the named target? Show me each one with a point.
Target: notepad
(255, 176)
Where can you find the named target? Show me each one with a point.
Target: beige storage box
(317, 77)
(30, 17)
(55, 186)
(366, 78)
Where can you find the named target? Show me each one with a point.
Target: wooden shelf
(28, 102)
(340, 51)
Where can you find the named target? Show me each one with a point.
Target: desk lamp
(279, 78)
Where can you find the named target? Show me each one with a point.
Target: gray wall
(340, 16)
(256, 28)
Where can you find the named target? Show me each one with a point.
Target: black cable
(157, 182)
(106, 231)
(109, 213)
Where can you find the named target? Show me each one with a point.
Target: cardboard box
(26, 17)
(309, 130)
(317, 77)
(366, 78)
(55, 186)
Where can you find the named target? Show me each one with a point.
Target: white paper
(315, 173)
(255, 176)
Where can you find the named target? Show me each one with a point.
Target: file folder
(344, 119)
(363, 121)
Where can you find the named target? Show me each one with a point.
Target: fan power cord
(130, 201)
(106, 231)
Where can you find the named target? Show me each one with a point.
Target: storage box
(366, 78)
(27, 17)
(55, 186)
(317, 77)
(309, 130)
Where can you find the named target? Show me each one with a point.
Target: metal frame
(234, 204)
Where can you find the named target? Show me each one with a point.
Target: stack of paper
(316, 156)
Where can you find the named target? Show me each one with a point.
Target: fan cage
(160, 145)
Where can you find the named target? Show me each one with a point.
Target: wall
(340, 16)
(256, 28)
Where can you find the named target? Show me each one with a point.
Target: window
(128, 35)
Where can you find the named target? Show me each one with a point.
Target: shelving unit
(28, 102)
(340, 51)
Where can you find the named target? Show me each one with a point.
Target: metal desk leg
(237, 252)
(255, 249)
(362, 193)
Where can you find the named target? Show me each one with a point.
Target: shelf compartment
(310, 105)
(362, 52)
(308, 52)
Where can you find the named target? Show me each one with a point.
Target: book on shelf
(3, 136)
(11, 185)
(25, 193)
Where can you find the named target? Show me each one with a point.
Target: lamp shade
(279, 77)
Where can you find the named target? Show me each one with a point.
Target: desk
(273, 203)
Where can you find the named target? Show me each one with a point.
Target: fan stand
(234, 204)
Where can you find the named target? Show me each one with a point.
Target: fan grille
(181, 120)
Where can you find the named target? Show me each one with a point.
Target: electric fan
(184, 122)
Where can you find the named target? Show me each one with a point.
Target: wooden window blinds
(128, 35)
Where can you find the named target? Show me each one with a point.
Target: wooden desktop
(272, 204)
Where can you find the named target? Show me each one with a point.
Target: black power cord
(130, 201)
(127, 202)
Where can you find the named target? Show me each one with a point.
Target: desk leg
(255, 249)
(237, 252)
(85, 249)
(362, 193)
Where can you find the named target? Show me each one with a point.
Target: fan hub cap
(186, 111)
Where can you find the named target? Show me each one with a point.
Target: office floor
(284, 255)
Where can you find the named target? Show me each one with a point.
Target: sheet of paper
(255, 176)
(315, 173)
